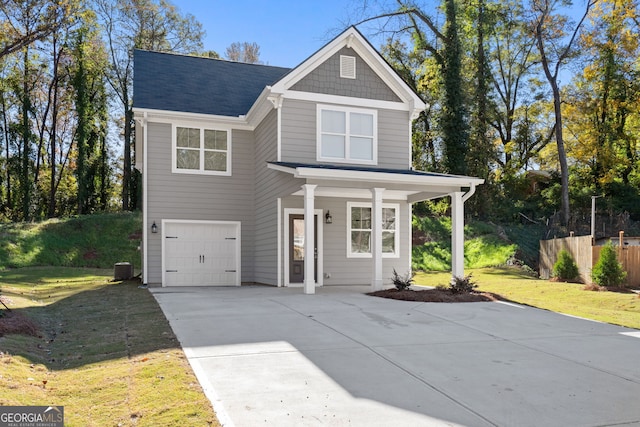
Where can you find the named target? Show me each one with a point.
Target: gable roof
(190, 84)
(194, 84)
(353, 39)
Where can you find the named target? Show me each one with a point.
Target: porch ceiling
(357, 182)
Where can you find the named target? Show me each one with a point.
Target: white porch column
(457, 235)
(376, 237)
(309, 238)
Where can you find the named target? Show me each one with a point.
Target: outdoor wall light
(328, 218)
(154, 227)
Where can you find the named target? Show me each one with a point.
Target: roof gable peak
(351, 38)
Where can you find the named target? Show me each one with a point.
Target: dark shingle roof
(193, 84)
(293, 165)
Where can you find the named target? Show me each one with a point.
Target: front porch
(378, 187)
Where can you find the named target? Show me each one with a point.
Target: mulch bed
(434, 295)
(12, 322)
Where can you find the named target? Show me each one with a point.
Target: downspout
(145, 221)
(469, 193)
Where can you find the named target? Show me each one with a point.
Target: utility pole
(593, 218)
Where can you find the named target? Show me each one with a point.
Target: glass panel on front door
(298, 239)
(296, 248)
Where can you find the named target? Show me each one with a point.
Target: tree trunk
(126, 166)
(25, 183)
(454, 126)
(562, 155)
(52, 143)
(5, 127)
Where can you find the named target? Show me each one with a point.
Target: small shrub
(608, 270)
(462, 285)
(565, 267)
(402, 282)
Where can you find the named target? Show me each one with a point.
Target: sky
(287, 31)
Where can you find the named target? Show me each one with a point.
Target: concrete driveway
(275, 357)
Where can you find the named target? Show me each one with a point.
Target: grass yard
(105, 352)
(568, 298)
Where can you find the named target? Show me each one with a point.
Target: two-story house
(287, 177)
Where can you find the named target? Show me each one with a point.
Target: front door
(296, 248)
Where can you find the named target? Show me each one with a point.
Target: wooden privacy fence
(586, 256)
(629, 257)
(579, 248)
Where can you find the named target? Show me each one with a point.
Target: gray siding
(394, 140)
(299, 135)
(270, 185)
(354, 271)
(199, 197)
(326, 79)
(299, 131)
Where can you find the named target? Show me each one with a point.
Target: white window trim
(396, 243)
(347, 158)
(174, 147)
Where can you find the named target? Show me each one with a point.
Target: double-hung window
(347, 135)
(201, 151)
(360, 230)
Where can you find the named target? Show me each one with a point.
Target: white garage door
(201, 253)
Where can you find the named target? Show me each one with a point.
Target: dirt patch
(135, 236)
(90, 254)
(12, 322)
(434, 295)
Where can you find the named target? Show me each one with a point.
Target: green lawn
(106, 352)
(569, 298)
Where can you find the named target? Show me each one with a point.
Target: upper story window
(360, 229)
(201, 151)
(347, 135)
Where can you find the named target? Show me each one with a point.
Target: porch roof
(356, 181)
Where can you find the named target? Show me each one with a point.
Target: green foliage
(608, 270)
(485, 245)
(527, 240)
(487, 251)
(433, 227)
(431, 256)
(402, 282)
(462, 285)
(565, 267)
(624, 198)
(98, 240)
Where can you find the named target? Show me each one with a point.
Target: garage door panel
(201, 254)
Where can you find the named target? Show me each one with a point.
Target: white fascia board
(355, 175)
(381, 177)
(387, 74)
(260, 107)
(166, 116)
(346, 100)
(309, 65)
(352, 38)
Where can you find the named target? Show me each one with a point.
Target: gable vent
(347, 67)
